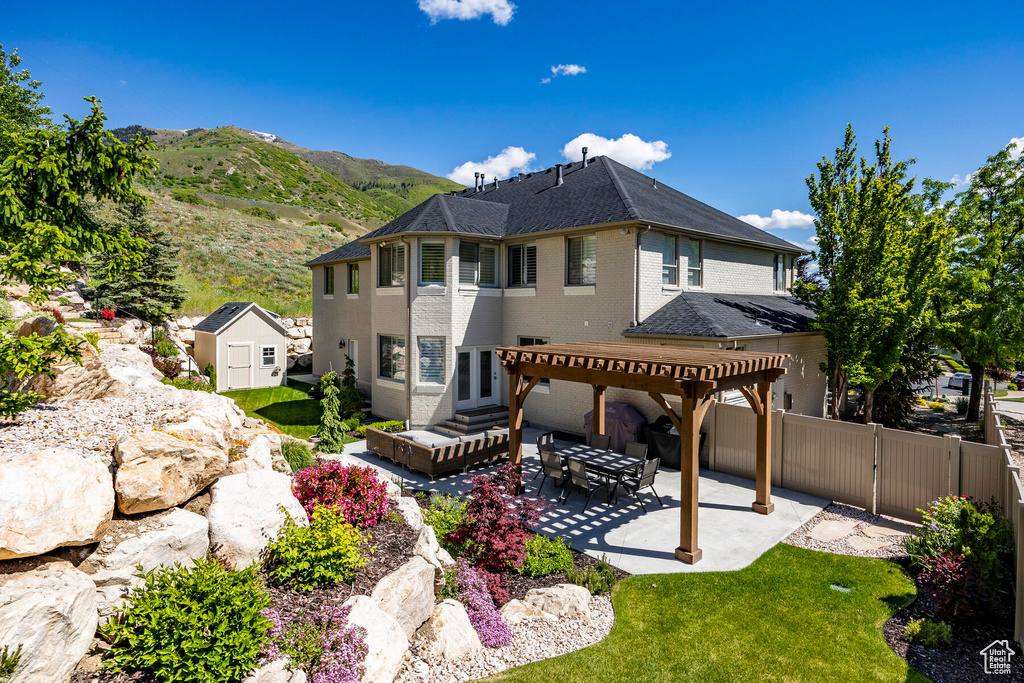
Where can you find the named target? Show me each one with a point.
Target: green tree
(331, 431)
(881, 251)
(45, 185)
(150, 292)
(20, 96)
(981, 309)
(351, 399)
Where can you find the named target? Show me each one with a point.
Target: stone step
(85, 326)
(109, 335)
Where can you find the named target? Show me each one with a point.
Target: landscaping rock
(885, 530)
(157, 471)
(257, 457)
(40, 324)
(184, 322)
(304, 360)
(563, 600)
(517, 611)
(448, 633)
(386, 641)
(445, 557)
(116, 371)
(407, 594)
(296, 333)
(175, 536)
(299, 346)
(428, 548)
(51, 612)
(210, 419)
(244, 514)
(277, 671)
(52, 498)
(832, 529)
(19, 309)
(862, 543)
(410, 511)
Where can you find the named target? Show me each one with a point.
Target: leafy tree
(981, 310)
(351, 399)
(20, 110)
(150, 292)
(45, 187)
(881, 250)
(896, 397)
(331, 430)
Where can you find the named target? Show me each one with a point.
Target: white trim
(429, 389)
(671, 289)
(351, 296)
(580, 290)
(432, 290)
(252, 365)
(391, 291)
(389, 383)
(475, 290)
(328, 297)
(274, 321)
(264, 347)
(521, 291)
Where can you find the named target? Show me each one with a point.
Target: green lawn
(777, 620)
(287, 408)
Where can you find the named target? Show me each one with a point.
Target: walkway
(732, 535)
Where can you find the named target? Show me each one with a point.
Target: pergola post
(515, 420)
(761, 402)
(597, 425)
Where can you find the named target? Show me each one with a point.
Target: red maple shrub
(108, 313)
(355, 491)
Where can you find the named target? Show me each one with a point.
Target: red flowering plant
(108, 313)
(356, 492)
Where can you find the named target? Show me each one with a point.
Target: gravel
(842, 512)
(532, 641)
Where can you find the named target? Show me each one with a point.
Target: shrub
(260, 212)
(331, 432)
(187, 196)
(211, 373)
(9, 659)
(57, 315)
(937, 407)
(93, 338)
(360, 416)
(165, 348)
(946, 576)
(108, 313)
(596, 579)
(545, 555)
(1011, 387)
(298, 454)
(193, 383)
(200, 624)
(933, 634)
(356, 491)
(465, 584)
(323, 644)
(328, 551)
(350, 400)
(316, 392)
(962, 403)
(389, 426)
(446, 514)
(6, 313)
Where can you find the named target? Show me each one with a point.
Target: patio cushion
(497, 432)
(429, 439)
(466, 438)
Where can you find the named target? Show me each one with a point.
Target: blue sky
(731, 103)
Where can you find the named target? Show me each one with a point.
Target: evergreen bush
(545, 555)
(331, 431)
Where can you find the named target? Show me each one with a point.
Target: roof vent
(558, 175)
(584, 157)
(476, 181)
(655, 181)
(495, 182)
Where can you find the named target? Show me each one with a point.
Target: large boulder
(258, 456)
(40, 324)
(175, 536)
(19, 309)
(52, 498)
(448, 634)
(566, 600)
(517, 611)
(210, 419)
(51, 612)
(277, 671)
(184, 322)
(245, 514)
(428, 548)
(296, 333)
(407, 594)
(386, 641)
(157, 470)
(299, 346)
(115, 372)
(410, 511)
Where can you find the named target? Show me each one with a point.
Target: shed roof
(232, 311)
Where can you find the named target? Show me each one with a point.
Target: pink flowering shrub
(466, 585)
(356, 492)
(322, 644)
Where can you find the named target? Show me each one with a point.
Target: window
(431, 263)
(392, 357)
(670, 260)
(391, 265)
(535, 341)
(268, 356)
(478, 264)
(695, 264)
(328, 280)
(353, 278)
(432, 359)
(522, 265)
(780, 272)
(581, 260)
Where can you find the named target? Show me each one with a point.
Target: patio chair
(551, 466)
(581, 478)
(644, 480)
(636, 450)
(547, 439)
(600, 441)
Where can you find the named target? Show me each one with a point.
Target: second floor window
(391, 265)
(353, 278)
(432, 359)
(431, 263)
(535, 341)
(780, 272)
(581, 260)
(478, 264)
(391, 358)
(328, 280)
(670, 260)
(695, 264)
(522, 265)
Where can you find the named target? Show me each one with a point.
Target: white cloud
(629, 150)
(500, 10)
(568, 70)
(545, 80)
(779, 220)
(1016, 152)
(510, 160)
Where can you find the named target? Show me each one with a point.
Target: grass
(288, 408)
(777, 620)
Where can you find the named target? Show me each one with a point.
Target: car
(1018, 379)
(956, 381)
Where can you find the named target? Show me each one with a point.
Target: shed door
(239, 366)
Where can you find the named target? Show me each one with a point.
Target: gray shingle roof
(703, 314)
(603, 192)
(228, 313)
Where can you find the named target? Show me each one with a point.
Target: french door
(476, 378)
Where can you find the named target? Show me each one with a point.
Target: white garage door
(239, 366)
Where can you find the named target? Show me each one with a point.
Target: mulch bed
(927, 421)
(518, 585)
(962, 661)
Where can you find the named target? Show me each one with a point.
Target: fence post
(712, 435)
(953, 448)
(778, 446)
(876, 461)
(1018, 617)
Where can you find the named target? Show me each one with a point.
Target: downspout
(408, 331)
(636, 276)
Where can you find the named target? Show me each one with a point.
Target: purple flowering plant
(323, 644)
(465, 584)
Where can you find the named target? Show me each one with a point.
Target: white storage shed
(246, 344)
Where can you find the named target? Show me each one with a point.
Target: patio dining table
(608, 463)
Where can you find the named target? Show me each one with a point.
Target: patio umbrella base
(689, 557)
(763, 509)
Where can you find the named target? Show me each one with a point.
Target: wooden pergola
(692, 374)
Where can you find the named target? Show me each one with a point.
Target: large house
(588, 251)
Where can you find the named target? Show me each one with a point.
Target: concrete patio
(732, 535)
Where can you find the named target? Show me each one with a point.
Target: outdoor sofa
(434, 454)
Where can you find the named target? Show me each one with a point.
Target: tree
(331, 430)
(20, 110)
(981, 309)
(896, 397)
(150, 292)
(45, 185)
(881, 250)
(351, 399)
